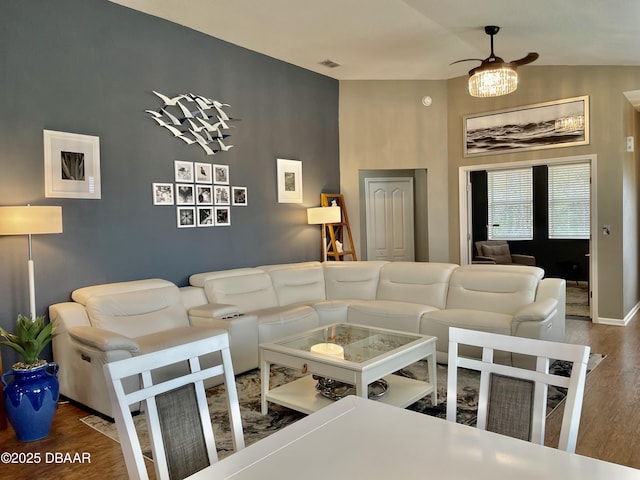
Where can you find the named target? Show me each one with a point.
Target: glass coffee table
(354, 354)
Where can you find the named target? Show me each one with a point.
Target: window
(510, 204)
(569, 200)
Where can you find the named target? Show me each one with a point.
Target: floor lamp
(30, 221)
(323, 215)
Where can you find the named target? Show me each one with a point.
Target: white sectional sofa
(260, 304)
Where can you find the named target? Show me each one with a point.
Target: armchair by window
(497, 252)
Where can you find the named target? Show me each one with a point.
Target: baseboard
(620, 322)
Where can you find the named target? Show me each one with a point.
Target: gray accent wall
(89, 67)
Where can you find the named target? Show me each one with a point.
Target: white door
(389, 219)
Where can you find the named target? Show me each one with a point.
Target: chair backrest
(176, 410)
(496, 249)
(503, 387)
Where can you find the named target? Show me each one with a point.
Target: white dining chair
(176, 410)
(513, 400)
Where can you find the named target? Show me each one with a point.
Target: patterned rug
(257, 426)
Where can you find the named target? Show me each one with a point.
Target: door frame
(464, 202)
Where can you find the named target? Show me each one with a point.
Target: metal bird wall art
(195, 119)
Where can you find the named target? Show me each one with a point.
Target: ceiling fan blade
(467, 60)
(531, 57)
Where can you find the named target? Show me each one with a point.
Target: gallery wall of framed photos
(201, 194)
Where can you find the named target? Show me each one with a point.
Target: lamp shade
(321, 215)
(30, 220)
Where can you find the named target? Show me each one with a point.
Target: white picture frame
(222, 216)
(71, 165)
(183, 171)
(289, 175)
(221, 195)
(239, 196)
(204, 195)
(205, 216)
(162, 193)
(185, 194)
(203, 172)
(186, 217)
(221, 174)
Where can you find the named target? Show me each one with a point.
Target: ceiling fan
(495, 77)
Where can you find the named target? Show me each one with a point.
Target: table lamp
(30, 221)
(323, 215)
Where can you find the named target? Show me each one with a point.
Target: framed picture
(289, 181)
(183, 171)
(222, 216)
(221, 174)
(205, 216)
(186, 217)
(239, 196)
(204, 196)
(71, 165)
(184, 194)
(559, 123)
(162, 193)
(221, 195)
(203, 172)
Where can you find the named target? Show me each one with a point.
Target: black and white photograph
(183, 171)
(204, 196)
(186, 217)
(203, 172)
(205, 217)
(184, 194)
(239, 196)
(560, 123)
(221, 195)
(162, 193)
(222, 216)
(221, 174)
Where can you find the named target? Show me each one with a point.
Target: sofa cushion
(81, 295)
(138, 313)
(500, 253)
(402, 316)
(297, 283)
(249, 292)
(423, 283)
(480, 289)
(279, 322)
(199, 279)
(357, 280)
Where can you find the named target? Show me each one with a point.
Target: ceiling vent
(329, 63)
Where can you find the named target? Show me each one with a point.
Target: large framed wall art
(555, 124)
(71, 165)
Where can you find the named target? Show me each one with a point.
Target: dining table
(358, 438)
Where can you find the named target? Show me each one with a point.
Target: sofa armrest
(482, 259)
(243, 336)
(212, 310)
(537, 311)
(103, 340)
(523, 259)
(66, 315)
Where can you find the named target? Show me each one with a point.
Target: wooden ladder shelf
(338, 232)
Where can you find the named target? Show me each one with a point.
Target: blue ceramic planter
(30, 400)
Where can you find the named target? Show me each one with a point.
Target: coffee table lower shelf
(301, 395)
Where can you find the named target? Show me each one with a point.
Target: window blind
(569, 201)
(510, 204)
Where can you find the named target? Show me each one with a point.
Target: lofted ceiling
(413, 39)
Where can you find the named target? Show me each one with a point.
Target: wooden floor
(608, 430)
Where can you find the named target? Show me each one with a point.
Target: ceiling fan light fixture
(492, 81)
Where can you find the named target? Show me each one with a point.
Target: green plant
(30, 339)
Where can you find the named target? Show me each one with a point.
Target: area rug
(257, 426)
